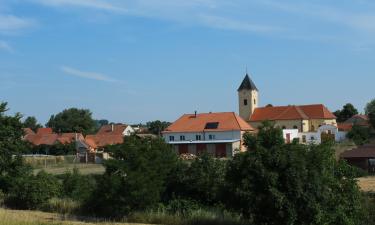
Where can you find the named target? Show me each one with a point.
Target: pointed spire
(247, 84)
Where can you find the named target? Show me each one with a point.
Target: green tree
(292, 184)
(72, 120)
(370, 112)
(135, 178)
(157, 126)
(359, 134)
(77, 186)
(32, 123)
(347, 112)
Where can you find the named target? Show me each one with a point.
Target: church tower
(247, 97)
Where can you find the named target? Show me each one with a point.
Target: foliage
(347, 112)
(32, 123)
(370, 112)
(72, 120)
(268, 136)
(77, 186)
(359, 134)
(202, 180)
(100, 123)
(32, 191)
(135, 178)
(272, 182)
(157, 126)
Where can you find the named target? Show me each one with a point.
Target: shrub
(77, 186)
(32, 191)
(360, 135)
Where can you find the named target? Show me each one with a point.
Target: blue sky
(140, 60)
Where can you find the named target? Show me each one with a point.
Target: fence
(49, 160)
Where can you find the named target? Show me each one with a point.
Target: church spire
(247, 84)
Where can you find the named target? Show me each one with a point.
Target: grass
(84, 169)
(18, 217)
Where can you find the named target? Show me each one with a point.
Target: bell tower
(247, 98)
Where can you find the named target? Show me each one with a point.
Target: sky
(142, 60)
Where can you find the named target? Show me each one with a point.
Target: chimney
(195, 114)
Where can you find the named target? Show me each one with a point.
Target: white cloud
(6, 47)
(11, 23)
(85, 74)
(93, 4)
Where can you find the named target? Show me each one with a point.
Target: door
(183, 149)
(288, 138)
(221, 150)
(201, 148)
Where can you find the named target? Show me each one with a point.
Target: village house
(91, 148)
(45, 136)
(220, 134)
(308, 123)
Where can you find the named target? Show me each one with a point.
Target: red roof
(42, 131)
(227, 121)
(344, 126)
(99, 140)
(115, 129)
(293, 112)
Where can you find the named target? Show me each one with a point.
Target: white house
(324, 131)
(220, 134)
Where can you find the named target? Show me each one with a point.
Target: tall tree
(157, 126)
(370, 112)
(277, 183)
(32, 123)
(347, 111)
(72, 120)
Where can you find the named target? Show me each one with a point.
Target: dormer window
(211, 126)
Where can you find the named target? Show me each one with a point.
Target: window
(284, 127)
(312, 138)
(211, 137)
(312, 128)
(303, 138)
(182, 138)
(245, 102)
(255, 101)
(198, 137)
(295, 127)
(213, 125)
(171, 138)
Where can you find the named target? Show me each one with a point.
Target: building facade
(220, 134)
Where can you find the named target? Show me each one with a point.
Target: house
(309, 123)
(91, 148)
(362, 157)
(45, 136)
(220, 134)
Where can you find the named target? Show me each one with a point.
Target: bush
(360, 135)
(134, 179)
(76, 186)
(64, 206)
(32, 191)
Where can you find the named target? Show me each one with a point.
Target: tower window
(255, 101)
(245, 102)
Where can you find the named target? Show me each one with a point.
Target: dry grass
(84, 169)
(367, 184)
(18, 217)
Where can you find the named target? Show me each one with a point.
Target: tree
(135, 178)
(359, 134)
(157, 126)
(347, 112)
(72, 120)
(292, 184)
(32, 123)
(100, 123)
(370, 112)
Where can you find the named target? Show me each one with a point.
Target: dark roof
(365, 151)
(247, 84)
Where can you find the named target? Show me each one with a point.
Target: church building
(305, 118)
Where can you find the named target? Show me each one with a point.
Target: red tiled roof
(42, 131)
(344, 126)
(100, 140)
(301, 112)
(114, 129)
(226, 121)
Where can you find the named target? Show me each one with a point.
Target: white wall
(128, 131)
(219, 135)
(293, 134)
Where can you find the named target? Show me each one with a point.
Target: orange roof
(112, 129)
(226, 121)
(42, 131)
(100, 140)
(344, 126)
(302, 112)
